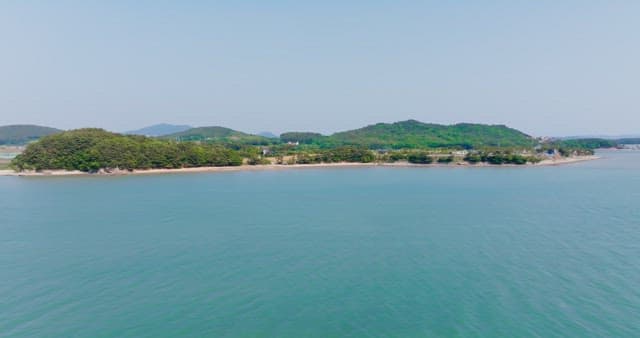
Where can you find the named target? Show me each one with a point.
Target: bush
(258, 161)
(445, 160)
(420, 158)
(398, 156)
(473, 158)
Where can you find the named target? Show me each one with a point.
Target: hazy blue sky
(545, 67)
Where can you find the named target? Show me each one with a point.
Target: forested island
(412, 142)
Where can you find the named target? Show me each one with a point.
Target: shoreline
(52, 173)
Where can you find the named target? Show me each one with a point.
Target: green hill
(24, 133)
(219, 135)
(302, 137)
(587, 143)
(409, 134)
(93, 149)
(414, 134)
(628, 141)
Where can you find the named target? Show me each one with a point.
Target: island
(406, 143)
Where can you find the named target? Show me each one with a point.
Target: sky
(549, 68)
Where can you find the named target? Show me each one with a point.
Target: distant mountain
(416, 134)
(267, 134)
(20, 134)
(159, 130)
(606, 137)
(631, 140)
(219, 134)
(588, 143)
(595, 142)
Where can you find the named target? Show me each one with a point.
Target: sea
(326, 252)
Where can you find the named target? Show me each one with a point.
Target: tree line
(92, 149)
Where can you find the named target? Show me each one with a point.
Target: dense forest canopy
(24, 133)
(414, 135)
(338, 154)
(219, 135)
(93, 149)
(588, 143)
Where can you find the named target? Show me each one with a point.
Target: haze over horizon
(544, 68)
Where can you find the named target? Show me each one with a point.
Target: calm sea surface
(367, 252)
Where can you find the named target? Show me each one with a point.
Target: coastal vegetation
(92, 150)
(591, 143)
(419, 158)
(339, 154)
(587, 143)
(500, 157)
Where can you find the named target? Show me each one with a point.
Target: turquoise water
(368, 252)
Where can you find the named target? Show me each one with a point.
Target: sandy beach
(548, 162)
(566, 160)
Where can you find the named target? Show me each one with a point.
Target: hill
(635, 140)
(413, 141)
(596, 143)
(93, 149)
(587, 143)
(413, 134)
(159, 130)
(24, 133)
(217, 134)
(303, 137)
